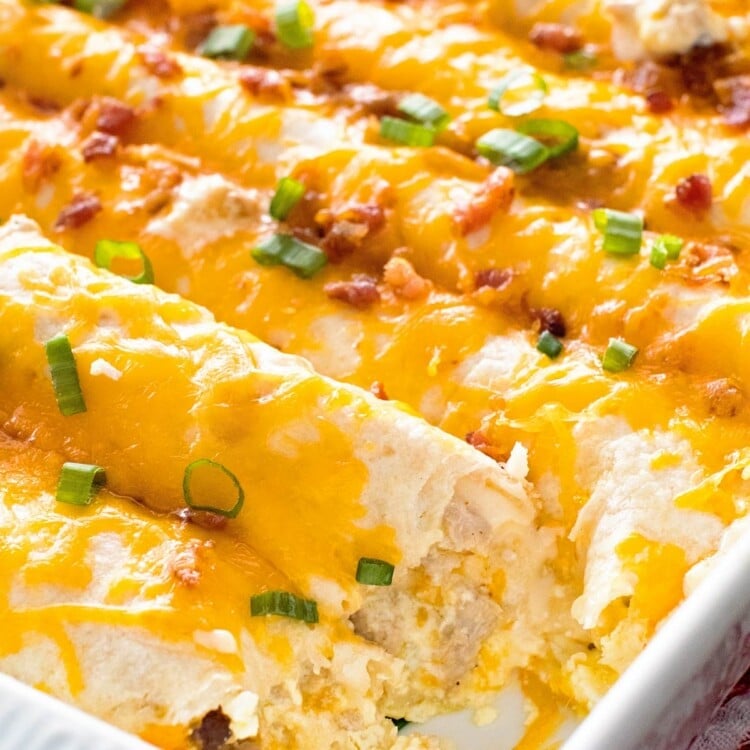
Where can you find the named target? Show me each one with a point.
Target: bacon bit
(659, 102)
(185, 565)
(114, 117)
(197, 27)
(556, 37)
(213, 731)
(494, 195)
(378, 390)
(700, 67)
(371, 100)
(494, 278)
(203, 518)
(734, 98)
(724, 398)
(346, 230)
(550, 319)
(360, 292)
(400, 275)
(478, 440)
(40, 161)
(694, 193)
(99, 146)
(157, 62)
(78, 212)
(46, 106)
(264, 81)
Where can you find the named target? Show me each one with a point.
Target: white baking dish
(660, 703)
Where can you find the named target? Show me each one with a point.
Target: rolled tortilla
(143, 620)
(331, 474)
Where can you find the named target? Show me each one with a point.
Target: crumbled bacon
(99, 146)
(371, 99)
(494, 278)
(659, 102)
(556, 37)
(734, 97)
(378, 390)
(360, 292)
(265, 81)
(700, 67)
(197, 27)
(400, 275)
(478, 440)
(550, 319)
(694, 193)
(185, 566)
(203, 518)
(40, 161)
(114, 117)
(345, 230)
(724, 398)
(494, 195)
(213, 731)
(78, 212)
(158, 62)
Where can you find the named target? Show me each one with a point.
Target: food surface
(410, 342)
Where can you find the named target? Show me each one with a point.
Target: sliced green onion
(658, 257)
(284, 249)
(107, 250)
(619, 355)
(520, 92)
(284, 604)
(287, 196)
(294, 23)
(580, 60)
(408, 133)
(399, 723)
(99, 8)
(549, 344)
(373, 572)
(672, 245)
(62, 365)
(228, 42)
(79, 483)
(558, 136)
(623, 232)
(515, 150)
(425, 110)
(203, 484)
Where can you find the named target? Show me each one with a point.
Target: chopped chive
(99, 8)
(284, 604)
(373, 572)
(79, 483)
(228, 42)
(515, 150)
(619, 355)
(425, 110)
(519, 93)
(189, 482)
(399, 723)
(658, 257)
(623, 232)
(672, 245)
(558, 136)
(580, 60)
(549, 344)
(408, 133)
(294, 23)
(284, 249)
(107, 250)
(62, 365)
(288, 194)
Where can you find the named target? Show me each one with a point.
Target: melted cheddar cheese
(635, 476)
